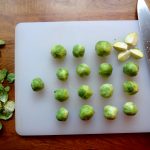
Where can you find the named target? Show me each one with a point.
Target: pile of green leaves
(7, 106)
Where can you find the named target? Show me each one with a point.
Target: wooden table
(14, 11)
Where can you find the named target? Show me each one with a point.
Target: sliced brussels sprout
(123, 56)
(131, 39)
(120, 46)
(137, 54)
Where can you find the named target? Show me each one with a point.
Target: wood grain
(15, 11)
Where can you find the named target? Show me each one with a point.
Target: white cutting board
(35, 111)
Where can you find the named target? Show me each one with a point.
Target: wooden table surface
(14, 11)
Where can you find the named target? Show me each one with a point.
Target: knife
(144, 23)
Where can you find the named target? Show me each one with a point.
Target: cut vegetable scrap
(136, 53)
(131, 39)
(1, 126)
(3, 74)
(1, 106)
(9, 107)
(2, 43)
(5, 116)
(120, 46)
(123, 56)
(7, 88)
(11, 77)
(3, 96)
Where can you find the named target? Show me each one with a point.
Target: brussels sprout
(129, 108)
(131, 69)
(136, 53)
(83, 70)
(105, 69)
(58, 51)
(86, 112)
(106, 90)
(131, 39)
(37, 84)
(110, 112)
(3, 74)
(62, 74)
(62, 114)
(103, 48)
(1, 126)
(61, 94)
(123, 56)
(130, 87)
(2, 43)
(11, 77)
(78, 50)
(85, 92)
(9, 107)
(120, 46)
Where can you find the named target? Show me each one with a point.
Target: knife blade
(144, 23)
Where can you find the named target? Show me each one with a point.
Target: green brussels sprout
(2, 43)
(78, 50)
(110, 112)
(83, 70)
(85, 92)
(61, 94)
(37, 84)
(62, 114)
(130, 87)
(11, 77)
(130, 69)
(58, 51)
(129, 108)
(105, 69)
(62, 74)
(106, 90)
(86, 112)
(103, 48)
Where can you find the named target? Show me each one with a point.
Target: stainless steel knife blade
(144, 23)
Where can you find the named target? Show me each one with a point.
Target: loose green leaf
(11, 77)
(5, 116)
(3, 97)
(3, 74)
(1, 126)
(1, 88)
(9, 107)
(2, 43)
(7, 88)
(1, 106)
